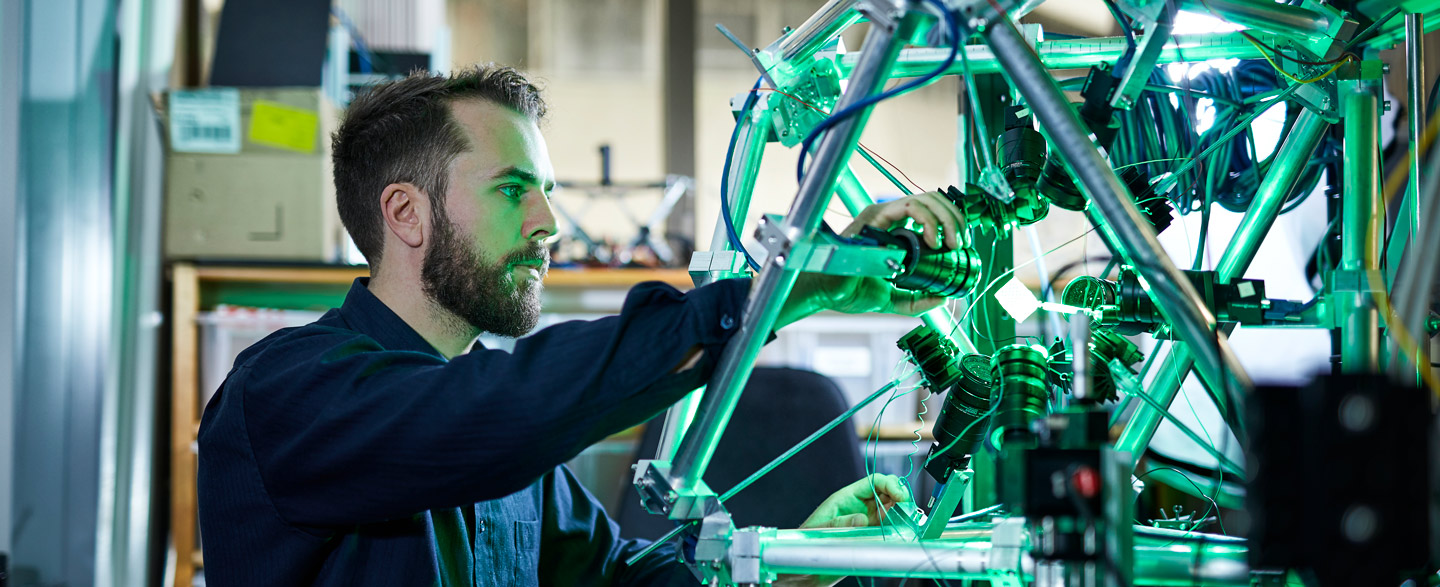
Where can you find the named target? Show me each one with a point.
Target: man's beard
(455, 276)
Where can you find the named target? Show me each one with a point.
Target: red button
(1086, 481)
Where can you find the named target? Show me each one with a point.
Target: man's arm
(352, 433)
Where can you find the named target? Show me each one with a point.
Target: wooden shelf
(557, 277)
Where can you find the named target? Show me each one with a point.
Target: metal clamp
(657, 496)
(1007, 545)
(827, 253)
(710, 266)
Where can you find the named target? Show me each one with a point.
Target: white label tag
(1017, 300)
(1245, 289)
(205, 121)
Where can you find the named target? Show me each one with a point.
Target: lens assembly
(960, 427)
(1022, 372)
(936, 272)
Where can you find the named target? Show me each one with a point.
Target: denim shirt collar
(366, 314)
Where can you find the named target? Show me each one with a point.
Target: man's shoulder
(300, 344)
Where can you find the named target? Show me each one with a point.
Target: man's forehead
(502, 141)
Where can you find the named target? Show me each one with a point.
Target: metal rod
(1162, 559)
(1173, 293)
(1291, 21)
(817, 30)
(930, 559)
(799, 446)
(1290, 161)
(1221, 460)
(744, 168)
(1415, 72)
(1076, 53)
(775, 281)
(1359, 252)
(750, 146)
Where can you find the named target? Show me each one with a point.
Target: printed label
(205, 121)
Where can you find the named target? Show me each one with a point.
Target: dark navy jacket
(350, 452)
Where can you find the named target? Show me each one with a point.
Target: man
(377, 447)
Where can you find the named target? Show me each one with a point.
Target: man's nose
(540, 219)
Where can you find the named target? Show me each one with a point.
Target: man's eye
(513, 191)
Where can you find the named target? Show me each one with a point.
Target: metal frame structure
(1353, 302)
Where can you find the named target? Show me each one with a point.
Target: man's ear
(406, 210)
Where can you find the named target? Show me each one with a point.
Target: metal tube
(817, 30)
(1355, 308)
(1291, 21)
(1290, 161)
(750, 145)
(964, 558)
(1160, 559)
(1170, 373)
(1076, 53)
(1415, 72)
(1173, 293)
(775, 282)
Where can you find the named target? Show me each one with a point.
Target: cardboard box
(248, 175)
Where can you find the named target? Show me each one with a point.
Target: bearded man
(381, 445)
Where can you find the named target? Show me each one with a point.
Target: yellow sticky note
(283, 126)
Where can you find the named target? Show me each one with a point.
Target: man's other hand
(862, 503)
(943, 226)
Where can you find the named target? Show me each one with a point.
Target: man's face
(486, 256)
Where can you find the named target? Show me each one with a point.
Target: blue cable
(725, 178)
(851, 110)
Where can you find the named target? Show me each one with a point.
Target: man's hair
(403, 131)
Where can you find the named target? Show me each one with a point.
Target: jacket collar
(366, 314)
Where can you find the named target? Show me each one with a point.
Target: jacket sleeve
(353, 433)
(580, 544)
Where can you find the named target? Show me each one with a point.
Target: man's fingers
(950, 222)
(849, 521)
(885, 486)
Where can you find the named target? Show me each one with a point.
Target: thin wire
(1292, 78)
(1214, 505)
(862, 146)
(980, 295)
(869, 101)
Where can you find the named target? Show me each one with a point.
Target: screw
(671, 496)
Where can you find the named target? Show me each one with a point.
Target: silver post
(769, 292)
(1360, 241)
(1171, 290)
(1415, 71)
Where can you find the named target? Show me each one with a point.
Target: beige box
(273, 200)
